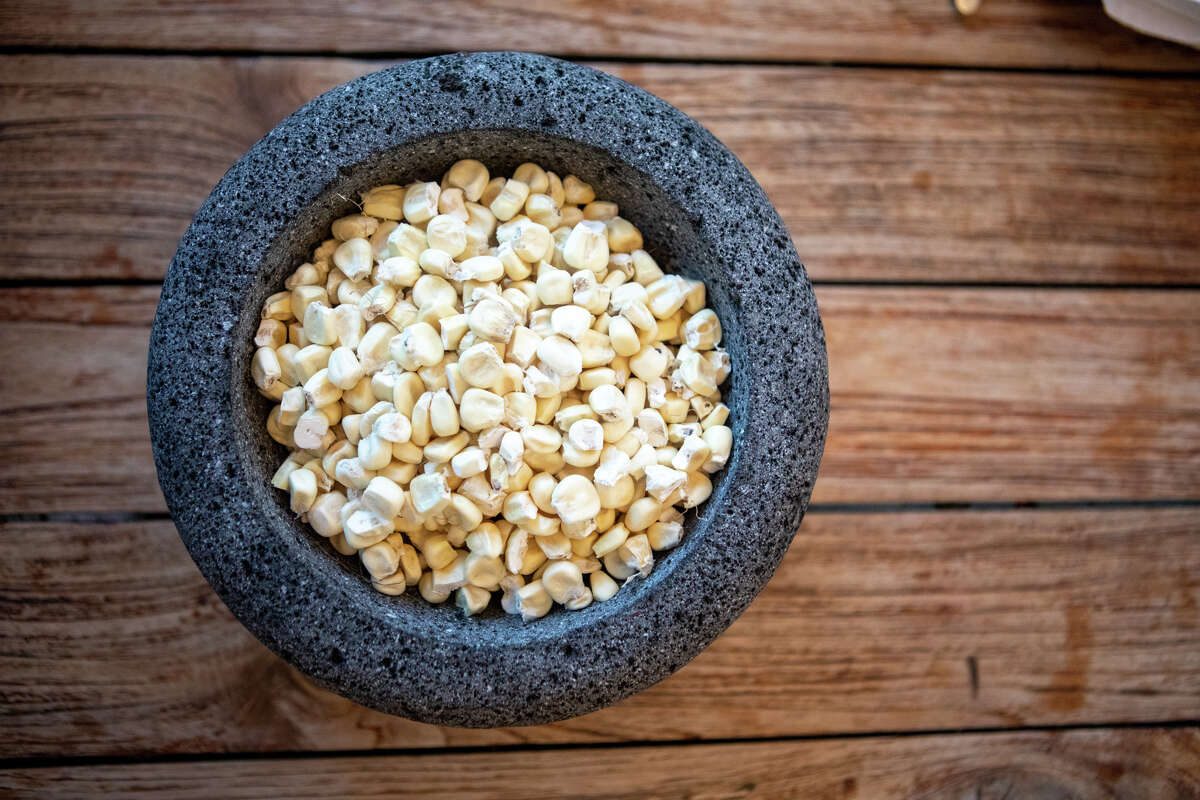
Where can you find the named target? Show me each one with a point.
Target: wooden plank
(938, 395)
(111, 642)
(960, 395)
(74, 426)
(1026, 33)
(1111, 763)
(880, 174)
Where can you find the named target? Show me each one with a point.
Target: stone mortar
(702, 214)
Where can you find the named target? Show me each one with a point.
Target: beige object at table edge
(1175, 20)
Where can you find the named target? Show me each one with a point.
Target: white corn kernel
(533, 175)
(720, 440)
(363, 528)
(603, 587)
(393, 427)
(302, 486)
(542, 209)
(515, 550)
(576, 192)
(512, 450)
(624, 338)
(429, 592)
(265, 368)
(481, 365)
(354, 258)
(355, 226)
(271, 333)
(351, 473)
(643, 513)
(320, 324)
(380, 559)
(586, 434)
(443, 414)
(487, 541)
(452, 576)
(532, 601)
(325, 514)
(374, 452)
(429, 493)
(418, 344)
(291, 406)
(442, 449)
(348, 325)
(481, 409)
(610, 540)
(379, 299)
(636, 554)
(623, 237)
(563, 581)
(372, 350)
(453, 202)
(640, 316)
(344, 369)
(469, 175)
(278, 306)
(554, 287)
(493, 319)
(383, 497)
(587, 246)
(468, 462)
(310, 429)
(609, 403)
(696, 372)
(696, 489)
(471, 600)
(532, 242)
(462, 513)
(421, 202)
(575, 499)
(510, 200)
(520, 410)
(664, 535)
(561, 356)
(385, 202)
(319, 390)
(702, 331)
(602, 210)
(570, 321)
(662, 481)
(430, 291)
(693, 453)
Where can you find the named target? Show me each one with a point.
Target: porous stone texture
(702, 214)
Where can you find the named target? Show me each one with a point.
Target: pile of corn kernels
(488, 385)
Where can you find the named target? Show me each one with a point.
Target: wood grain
(890, 175)
(1026, 33)
(938, 395)
(112, 644)
(1120, 764)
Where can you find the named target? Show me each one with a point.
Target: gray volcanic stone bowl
(702, 214)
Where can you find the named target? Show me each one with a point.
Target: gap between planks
(1122, 763)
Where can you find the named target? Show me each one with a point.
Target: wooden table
(996, 591)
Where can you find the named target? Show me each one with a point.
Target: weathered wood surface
(1025, 33)
(929, 175)
(112, 643)
(938, 395)
(1121, 764)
